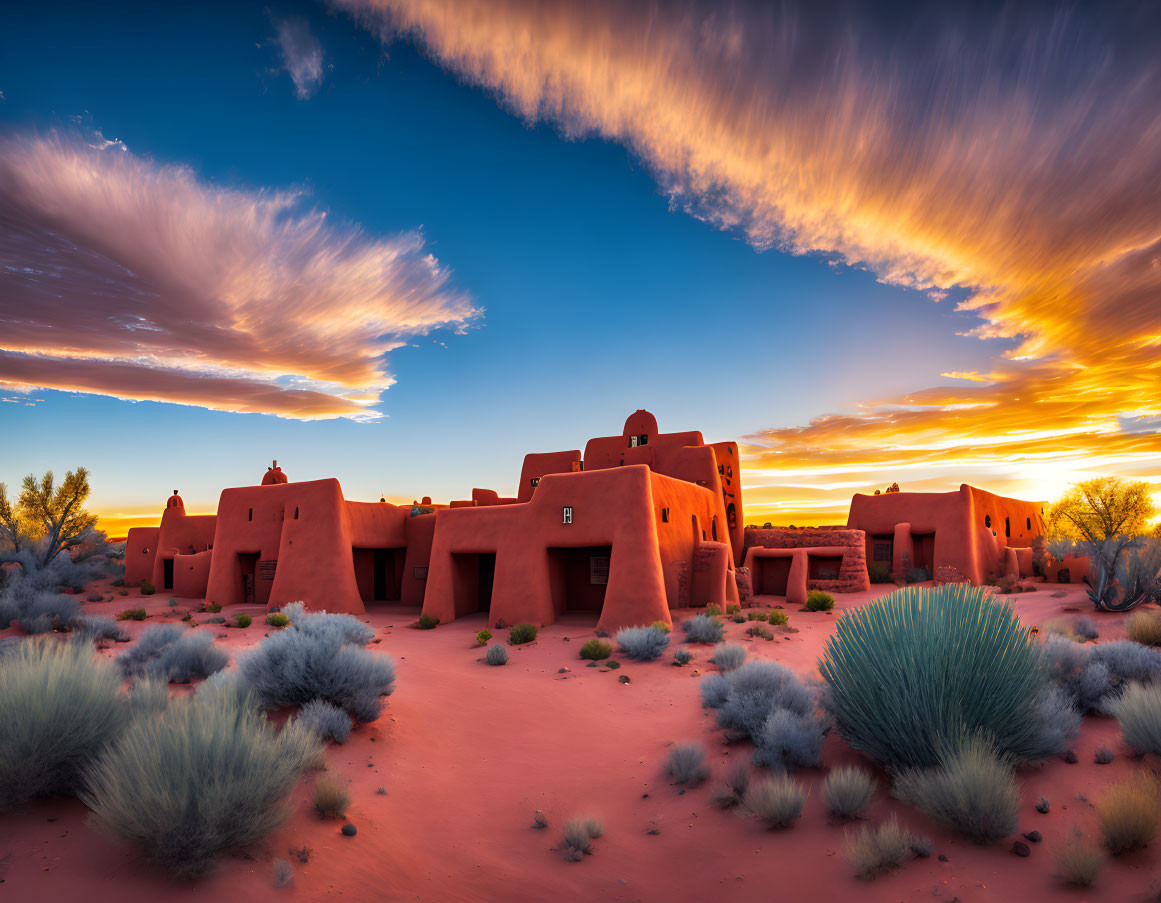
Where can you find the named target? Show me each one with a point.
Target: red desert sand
(468, 753)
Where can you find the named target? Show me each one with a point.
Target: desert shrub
(642, 644)
(733, 791)
(1144, 627)
(132, 614)
(712, 611)
(922, 846)
(789, 740)
(283, 872)
(663, 626)
(847, 791)
(212, 774)
(728, 656)
(579, 834)
(778, 617)
(978, 668)
(683, 656)
(522, 633)
(687, 763)
(330, 796)
(1079, 863)
(759, 632)
(1129, 813)
(701, 629)
(243, 621)
(878, 572)
(1059, 626)
(746, 696)
(973, 790)
(733, 609)
(59, 707)
(918, 575)
(147, 588)
(496, 655)
(212, 607)
(483, 636)
(738, 618)
(171, 652)
(817, 600)
(777, 801)
(277, 619)
(756, 615)
(596, 650)
(320, 656)
(1094, 677)
(327, 721)
(879, 849)
(33, 603)
(427, 622)
(1138, 711)
(1086, 629)
(93, 628)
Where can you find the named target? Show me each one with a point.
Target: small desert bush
(596, 650)
(211, 774)
(687, 763)
(642, 644)
(522, 633)
(277, 619)
(1086, 629)
(759, 632)
(776, 801)
(733, 609)
(1094, 677)
(483, 636)
(1059, 626)
(427, 622)
(973, 790)
(847, 791)
(496, 655)
(1079, 863)
(879, 849)
(1129, 813)
(330, 796)
(147, 588)
(320, 656)
(728, 656)
(778, 617)
(738, 618)
(817, 600)
(171, 652)
(756, 614)
(733, 791)
(1138, 711)
(702, 629)
(683, 656)
(327, 721)
(212, 607)
(712, 611)
(132, 614)
(579, 834)
(1144, 627)
(94, 628)
(59, 707)
(663, 626)
(243, 621)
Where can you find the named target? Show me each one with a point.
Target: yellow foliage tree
(47, 519)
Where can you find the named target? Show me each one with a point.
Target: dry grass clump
(1078, 862)
(847, 790)
(687, 764)
(777, 801)
(330, 797)
(1129, 813)
(579, 834)
(874, 850)
(1138, 711)
(734, 790)
(1144, 627)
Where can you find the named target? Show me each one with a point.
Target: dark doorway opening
(773, 575)
(824, 567)
(167, 573)
(248, 567)
(379, 573)
(579, 577)
(924, 555)
(473, 576)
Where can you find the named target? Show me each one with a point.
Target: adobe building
(980, 535)
(791, 561)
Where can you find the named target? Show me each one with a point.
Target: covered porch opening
(379, 573)
(772, 575)
(823, 567)
(473, 574)
(578, 577)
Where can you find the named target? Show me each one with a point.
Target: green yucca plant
(915, 671)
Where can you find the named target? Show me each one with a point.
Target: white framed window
(632, 442)
(535, 482)
(567, 514)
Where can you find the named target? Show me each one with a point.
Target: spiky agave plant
(914, 671)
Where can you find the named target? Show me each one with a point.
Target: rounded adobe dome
(640, 423)
(174, 501)
(274, 476)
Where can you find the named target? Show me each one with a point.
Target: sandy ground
(466, 753)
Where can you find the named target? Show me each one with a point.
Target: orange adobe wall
(791, 561)
(981, 535)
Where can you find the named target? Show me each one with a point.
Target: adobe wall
(850, 544)
(140, 550)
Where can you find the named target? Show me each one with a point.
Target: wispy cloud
(1013, 158)
(119, 276)
(302, 54)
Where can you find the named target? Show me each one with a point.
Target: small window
(267, 568)
(1028, 523)
(988, 521)
(250, 516)
(1008, 526)
(722, 469)
(730, 471)
(882, 551)
(296, 512)
(567, 514)
(598, 571)
(535, 481)
(632, 442)
(664, 515)
(145, 551)
(714, 529)
(703, 535)
(420, 573)
(643, 439)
